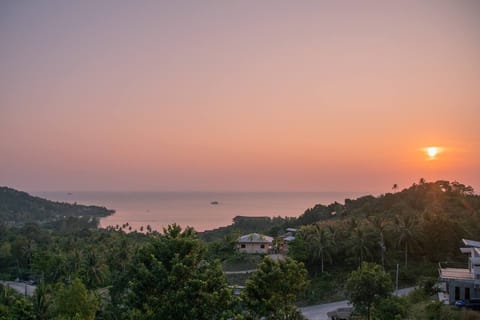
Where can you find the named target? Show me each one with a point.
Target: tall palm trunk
(321, 258)
(406, 254)
(382, 248)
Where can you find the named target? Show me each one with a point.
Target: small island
(214, 202)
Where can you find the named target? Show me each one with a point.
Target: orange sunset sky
(238, 95)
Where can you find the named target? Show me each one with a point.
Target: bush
(427, 285)
(391, 308)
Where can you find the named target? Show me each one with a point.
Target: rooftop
(456, 273)
(471, 243)
(255, 238)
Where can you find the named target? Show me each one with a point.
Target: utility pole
(396, 282)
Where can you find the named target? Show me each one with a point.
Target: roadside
(319, 311)
(20, 287)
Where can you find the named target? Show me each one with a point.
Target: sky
(238, 95)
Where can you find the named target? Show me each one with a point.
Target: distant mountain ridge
(20, 207)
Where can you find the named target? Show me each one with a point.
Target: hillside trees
(42, 302)
(272, 290)
(313, 245)
(380, 224)
(360, 244)
(20, 207)
(417, 226)
(366, 286)
(73, 301)
(14, 305)
(323, 244)
(406, 227)
(169, 279)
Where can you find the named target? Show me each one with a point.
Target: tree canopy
(367, 285)
(272, 290)
(169, 279)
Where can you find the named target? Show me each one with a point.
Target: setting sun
(432, 152)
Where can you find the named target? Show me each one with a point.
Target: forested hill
(452, 200)
(18, 207)
(448, 198)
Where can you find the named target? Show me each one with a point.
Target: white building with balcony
(463, 283)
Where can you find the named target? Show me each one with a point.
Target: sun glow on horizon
(432, 152)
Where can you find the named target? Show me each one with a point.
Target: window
(467, 293)
(242, 246)
(457, 293)
(262, 246)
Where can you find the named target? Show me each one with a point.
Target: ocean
(195, 209)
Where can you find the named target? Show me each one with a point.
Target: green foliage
(14, 306)
(314, 245)
(223, 249)
(434, 310)
(315, 214)
(416, 227)
(272, 290)
(20, 207)
(391, 307)
(73, 301)
(169, 279)
(42, 302)
(325, 287)
(367, 286)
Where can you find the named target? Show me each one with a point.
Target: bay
(195, 209)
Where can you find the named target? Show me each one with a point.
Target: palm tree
(74, 260)
(360, 244)
(322, 244)
(94, 268)
(406, 228)
(379, 224)
(27, 251)
(41, 301)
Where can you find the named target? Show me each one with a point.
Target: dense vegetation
(83, 272)
(109, 274)
(422, 224)
(18, 207)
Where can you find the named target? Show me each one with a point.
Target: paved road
(240, 271)
(319, 311)
(20, 287)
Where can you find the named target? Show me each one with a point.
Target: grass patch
(324, 288)
(241, 262)
(238, 279)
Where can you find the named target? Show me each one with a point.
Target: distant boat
(69, 193)
(214, 202)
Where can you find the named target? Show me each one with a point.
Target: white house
(254, 243)
(463, 283)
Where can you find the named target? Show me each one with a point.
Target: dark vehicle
(460, 303)
(340, 313)
(473, 304)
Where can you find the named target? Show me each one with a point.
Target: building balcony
(455, 272)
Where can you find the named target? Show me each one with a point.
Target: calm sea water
(158, 209)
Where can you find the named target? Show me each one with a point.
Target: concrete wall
(253, 247)
(462, 290)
